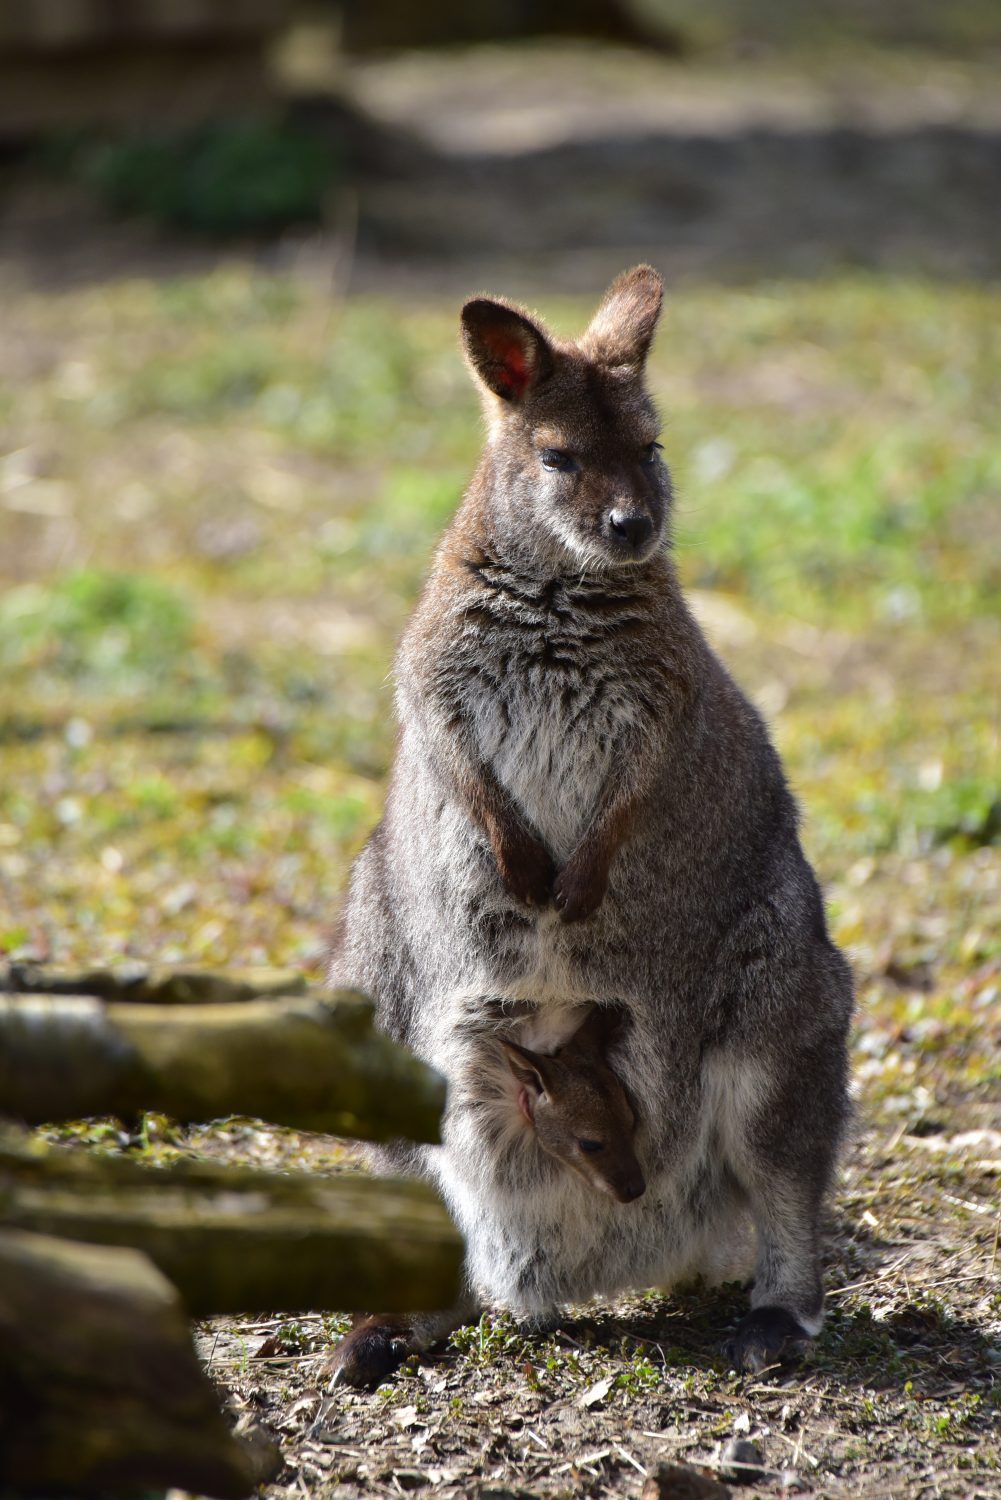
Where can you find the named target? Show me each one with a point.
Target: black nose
(630, 528)
(631, 1189)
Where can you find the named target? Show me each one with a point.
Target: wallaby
(585, 809)
(578, 1109)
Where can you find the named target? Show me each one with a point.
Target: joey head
(579, 1110)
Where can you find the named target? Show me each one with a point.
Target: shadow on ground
(461, 178)
(732, 204)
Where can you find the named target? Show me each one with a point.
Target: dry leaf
(596, 1392)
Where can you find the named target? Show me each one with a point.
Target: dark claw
(766, 1336)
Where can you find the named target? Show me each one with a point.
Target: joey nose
(630, 528)
(634, 1187)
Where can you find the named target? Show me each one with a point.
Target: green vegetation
(218, 501)
(222, 495)
(231, 177)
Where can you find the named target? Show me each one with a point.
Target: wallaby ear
(505, 348)
(527, 1067)
(621, 331)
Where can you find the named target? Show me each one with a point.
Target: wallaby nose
(630, 527)
(632, 1188)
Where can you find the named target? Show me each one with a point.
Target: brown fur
(579, 1109)
(541, 393)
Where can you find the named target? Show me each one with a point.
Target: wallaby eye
(591, 1146)
(559, 459)
(649, 453)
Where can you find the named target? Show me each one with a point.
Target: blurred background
(543, 142)
(234, 237)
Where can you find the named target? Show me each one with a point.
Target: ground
(220, 490)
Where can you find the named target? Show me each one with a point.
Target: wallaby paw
(368, 1353)
(526, 870)
(579, 890)
(766, 1336)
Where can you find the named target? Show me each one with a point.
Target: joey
(579, 1110)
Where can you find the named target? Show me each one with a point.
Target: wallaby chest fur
(584, 808)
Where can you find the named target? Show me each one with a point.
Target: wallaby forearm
(580, 886)
(610, 829)
(522, 860)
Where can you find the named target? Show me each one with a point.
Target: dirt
(893, 1400)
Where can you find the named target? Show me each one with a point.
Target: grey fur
(559, 706)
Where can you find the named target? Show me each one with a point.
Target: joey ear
(621, 331)
(527, 1067)
(508, 352)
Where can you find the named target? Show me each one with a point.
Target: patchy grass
(217, 502)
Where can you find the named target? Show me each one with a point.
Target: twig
(881, 1275)
(959, 1276)
(592, 1458)
(797, 1448)
(942, 1281)
(630, 1460)
(834, 1396)
(974, 1208)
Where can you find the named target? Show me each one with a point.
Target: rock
(741, 1461)
(103, 1392)
(262, 1449)
(677, 1482)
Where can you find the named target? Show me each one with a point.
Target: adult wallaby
(584, 808)
(577, 1109)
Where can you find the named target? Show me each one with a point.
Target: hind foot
(369, 1352)
(766, 1336)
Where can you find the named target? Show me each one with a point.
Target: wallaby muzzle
(629, 1187)
(631, 529)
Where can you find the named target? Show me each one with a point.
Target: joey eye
(649, 454)
(559, 459)
(591, 1146)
